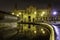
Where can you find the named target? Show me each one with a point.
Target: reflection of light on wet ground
(57, 31)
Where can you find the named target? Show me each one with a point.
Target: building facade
(32, 14)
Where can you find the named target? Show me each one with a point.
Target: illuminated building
(34, 15)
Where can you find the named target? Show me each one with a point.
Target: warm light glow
(19, 13)
(34, 31)
(43, 13)
(13, 13)
(42, 30)
(35, 12)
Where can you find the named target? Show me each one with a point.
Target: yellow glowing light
(13, 13)
(43, 32)
(41, 29)
(35, 12)
(19, 13)
(34, 31)
(43, 13)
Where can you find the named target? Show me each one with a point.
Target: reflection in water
(34, 33)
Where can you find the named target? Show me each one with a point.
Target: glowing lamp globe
(54, 13)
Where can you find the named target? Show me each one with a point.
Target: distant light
(35, 12)
(54, 13)
(19, 13)
(34, 31)
(43, 13)
(42, 30)
(13, 13)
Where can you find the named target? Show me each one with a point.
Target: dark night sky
(8, 5)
